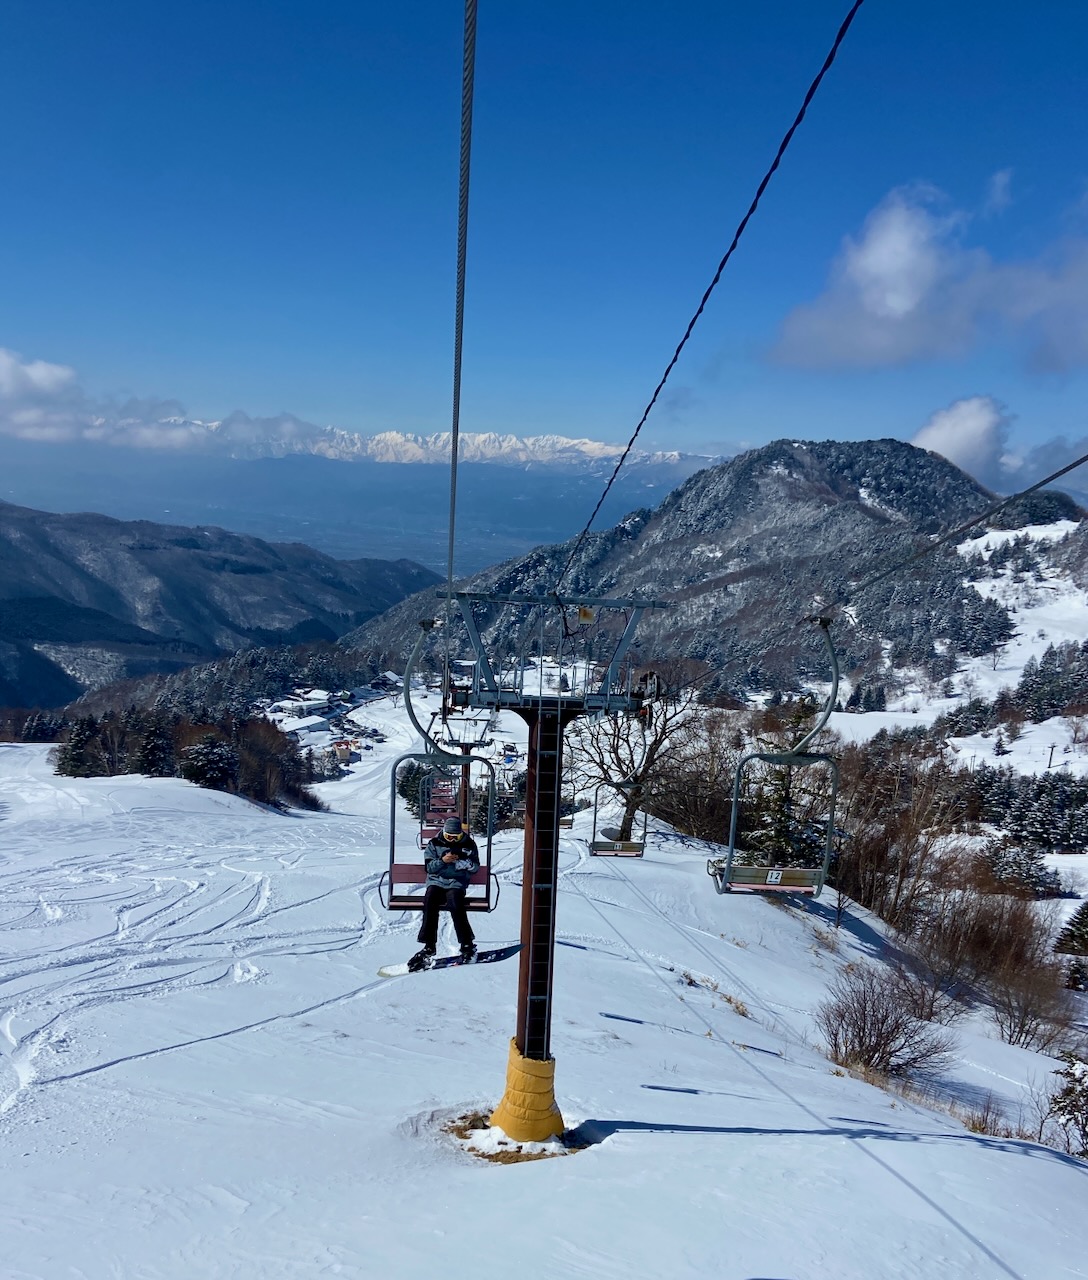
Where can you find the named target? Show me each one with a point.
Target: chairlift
(730, 875)
(439, 799)
(606, 842)
(401, 886)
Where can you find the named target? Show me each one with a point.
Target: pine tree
(1018, 867)
(33, 728)
(409, 779)
(154, 757)
(1069, 1105)
(211, 762)
(78, 757)
(1073, 939)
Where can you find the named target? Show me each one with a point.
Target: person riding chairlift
(452, 859)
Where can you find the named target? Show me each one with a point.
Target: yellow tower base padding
(528, 1112)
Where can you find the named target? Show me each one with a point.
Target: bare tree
(868, 1023)
(1030, 1005)
(965, 939)
(635, 750)
(693, 786)
(898, 808)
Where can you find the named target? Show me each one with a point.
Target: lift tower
(592, 683)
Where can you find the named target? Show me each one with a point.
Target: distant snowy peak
(244, 437)
(491, 446)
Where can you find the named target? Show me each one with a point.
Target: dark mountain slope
(103, 599)
(749, 547)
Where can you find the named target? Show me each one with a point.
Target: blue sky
(252, 206)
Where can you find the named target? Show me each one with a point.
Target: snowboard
(490, 956)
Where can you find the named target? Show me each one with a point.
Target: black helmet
(453, 827)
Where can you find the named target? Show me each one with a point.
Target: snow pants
(434, 899)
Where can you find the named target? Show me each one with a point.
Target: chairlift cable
(786, 630)
(468, 71)
(782, 147)
(957, 532)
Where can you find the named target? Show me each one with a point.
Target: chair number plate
(775, 876)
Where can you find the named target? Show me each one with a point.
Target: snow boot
(468, 952)
(421, 960)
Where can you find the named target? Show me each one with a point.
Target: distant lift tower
(548, 695)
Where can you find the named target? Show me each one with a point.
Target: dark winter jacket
(451, 875)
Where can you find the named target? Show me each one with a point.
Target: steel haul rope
(468, 72)
(782, 146)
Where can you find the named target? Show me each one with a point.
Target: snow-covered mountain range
(346, 494)
(241, 436)
(509, 450)
(745, 549)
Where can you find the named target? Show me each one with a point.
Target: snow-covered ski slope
(203, 1078)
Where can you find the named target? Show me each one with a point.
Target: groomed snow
(202, 1075)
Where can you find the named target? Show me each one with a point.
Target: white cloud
(28, 381)
(998, 192)
(38, 400)
(1046, 458)
(907, 289)
(44, 402)
(972, 433)
(898, 261)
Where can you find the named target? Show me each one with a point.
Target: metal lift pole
(528, 1110)
(466, 782)
(540, 878)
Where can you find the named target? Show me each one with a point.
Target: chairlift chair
(402, 884)
(607, 843)
(731, 876)
(439, 799)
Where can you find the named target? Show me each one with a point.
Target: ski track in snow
(210, 968)
(772, 1084)
(175, 917)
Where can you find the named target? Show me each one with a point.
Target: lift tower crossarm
(621, 649)
(483, 667)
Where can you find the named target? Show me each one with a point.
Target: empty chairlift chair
(606, 841)
(733, 873)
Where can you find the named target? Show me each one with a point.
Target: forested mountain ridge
(86, 599)
(745, 549)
